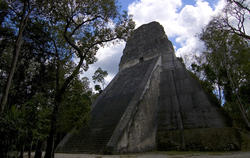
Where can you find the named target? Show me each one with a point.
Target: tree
(35, 74)
(33, 78)
(98, 88)
(40, 59)
(84, 26)
(59, 39)
(234, 18)
(22, 127)
(227, 65)
(23, 14)
(75, 108)
(99, 76)
(225, 62)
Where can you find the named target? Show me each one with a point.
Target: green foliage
(99, 76)
(59, 40)
(22, 125)
(225, 68)
(36, 112)
(98, 88)
(9, 126)
(75, 108)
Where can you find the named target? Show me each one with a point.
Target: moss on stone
(245, 141)
(201, 139)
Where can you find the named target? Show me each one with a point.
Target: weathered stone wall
(199, 139)
(144, 45)
(152, 103)
(140, 132)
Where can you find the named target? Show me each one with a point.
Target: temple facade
(153, 103)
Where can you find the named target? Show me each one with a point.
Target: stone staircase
(107, 112)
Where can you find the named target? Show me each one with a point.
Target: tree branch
(81, 24)
(240, 5)
(69, 41)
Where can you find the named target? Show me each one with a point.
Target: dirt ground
(161, 155)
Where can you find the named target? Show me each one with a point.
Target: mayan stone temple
(153, 103)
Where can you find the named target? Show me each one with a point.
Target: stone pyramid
(153, 103)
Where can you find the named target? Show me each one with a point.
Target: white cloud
(201, 13)
(183, 22)
(145, 11)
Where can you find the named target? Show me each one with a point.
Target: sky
(182, 20)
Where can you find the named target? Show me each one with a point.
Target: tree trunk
(233, 86)
(51, 138)
(21, 152)
(12, 71)
(38, 153)
(243, 112)
(30, 149)
(50, 141)
(17, 48)
(58, 98)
